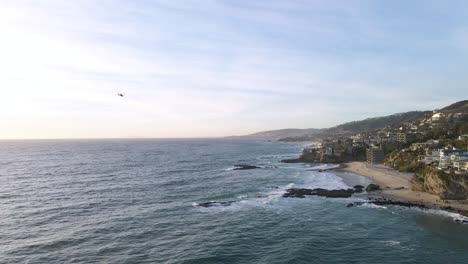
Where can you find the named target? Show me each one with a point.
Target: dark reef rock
(342, 193)
(245, 167)
(299, 160)
(358, 188)
(213, 203)
(302, 192)
(372, 187)
(297, 193)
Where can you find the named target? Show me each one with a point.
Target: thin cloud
(212, 68)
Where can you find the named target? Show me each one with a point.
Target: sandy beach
(392, 181)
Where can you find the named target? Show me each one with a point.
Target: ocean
(137, 201)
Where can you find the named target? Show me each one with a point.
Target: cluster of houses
(446, 158)
(384, 137)
(376, 143)
(432, 152)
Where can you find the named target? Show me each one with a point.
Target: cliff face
(315, 157)
(320, 157)
(446, 186)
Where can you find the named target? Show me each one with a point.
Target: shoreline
(396, 186)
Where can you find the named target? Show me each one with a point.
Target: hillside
(354, 127)
(377, 122)
(350, 127)
(458, 107)
(282, 133)
(365, 125)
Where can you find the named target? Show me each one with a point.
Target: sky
(206, 68)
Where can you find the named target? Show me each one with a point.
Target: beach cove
(396, 186)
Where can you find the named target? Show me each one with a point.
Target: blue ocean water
(135, 201)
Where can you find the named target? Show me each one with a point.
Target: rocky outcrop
(358, 188)
(305, 157)
(245, 167)
(340, 193)
(318, 156)
(302, 192)
(372, 187)
(213, 203)
(447, 186)
(314, 158)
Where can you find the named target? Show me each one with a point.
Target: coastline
(396, 186)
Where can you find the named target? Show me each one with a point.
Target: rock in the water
(358, 188)
(302, 192)
(213, 203)
(294, 161)
(297, 193)
(372, 187)
(342, 193)
(245, 167)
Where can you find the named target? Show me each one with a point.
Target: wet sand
(396, 185)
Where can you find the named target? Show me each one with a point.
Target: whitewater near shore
(396, 185)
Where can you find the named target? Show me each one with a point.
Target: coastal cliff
(315, 157)
(446, 186)
(319, 156)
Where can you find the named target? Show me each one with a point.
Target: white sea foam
(325, 180)
(371, 205)
(304, 179)
(272, 197)
(268, 199)
(454, 216)
(326, 166)
(390, 243)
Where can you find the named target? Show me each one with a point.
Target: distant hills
(378, 122)
(354, 127)
(282, 133)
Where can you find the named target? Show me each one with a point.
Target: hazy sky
(214, 68)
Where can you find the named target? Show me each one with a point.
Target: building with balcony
(375, 155)
(406, 137)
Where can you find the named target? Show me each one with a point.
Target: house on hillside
(461, 165)
(436, 117)
(449, 156)
(406, 137)
(430, 157)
